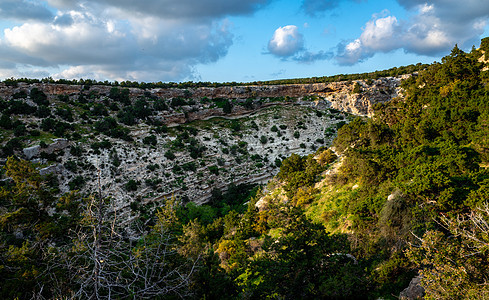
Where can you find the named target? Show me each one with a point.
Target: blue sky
(229, 40)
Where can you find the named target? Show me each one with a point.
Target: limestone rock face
(35, 151)
(32, 152)
(53, 169)
(337, 95)
(414, 291)
(243, 145)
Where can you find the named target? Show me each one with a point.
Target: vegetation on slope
(408, 195)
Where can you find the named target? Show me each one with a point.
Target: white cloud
(379, 35)
(433, 28)
(99, 39)
(286, 41)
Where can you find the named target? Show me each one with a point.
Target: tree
(454, 261)
(33, 223)
(59, 247)
(107, 263)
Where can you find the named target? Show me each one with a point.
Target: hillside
(360, 207)
(150, 144)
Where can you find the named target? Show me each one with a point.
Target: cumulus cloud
(286, 41)
(379, 35)
(22, 10)
(123, 40)
(433, 28)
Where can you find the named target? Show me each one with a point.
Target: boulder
(35, 151)
(53, 169)
(413, 291)
(32, 152)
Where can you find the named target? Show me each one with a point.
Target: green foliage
(227, 107)
(356, 88)
(120, 95)
(214, 170)
(453, 260)
(150, 140)
(416, 168)
(32, 220)
(39, 97)
(132, 185)
(298, 172)
(76, 183)
(109, 127)
(170, 155)
(6, 121)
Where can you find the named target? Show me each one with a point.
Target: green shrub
(170, 155)
(77, 183)
(150, 140)
(214, 170)
(39, 97)
(132, 185)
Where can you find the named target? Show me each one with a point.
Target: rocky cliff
(145, 145)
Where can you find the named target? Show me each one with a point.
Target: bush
(178, 101)
(35, 133)
(126, 117)
(43, 111)
(77, 183)
(170, 155)
(19, 130)
(19, 95)
(150, 140)
(131, 185)
(152, 167)
(227, 107)
(6, 122)
(76, 150)
(326, 157)
(235, 125)
(39, 97)
(160, 105)
(214, 170)
(65, 114)
(71, 166)
(189, 166)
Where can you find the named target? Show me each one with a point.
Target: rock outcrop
(342, 96)
(414, 291)
(35, 151)
(241, 145)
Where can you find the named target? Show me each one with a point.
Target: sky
(229, 40)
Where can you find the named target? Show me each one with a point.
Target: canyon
(203, 146)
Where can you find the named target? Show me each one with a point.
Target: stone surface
(35, 151)
(414, 291)
(32, 152)
(306, 117)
